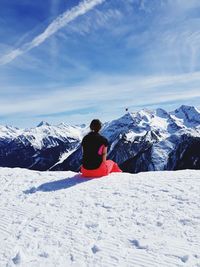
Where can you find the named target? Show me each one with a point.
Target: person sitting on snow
(94, 163)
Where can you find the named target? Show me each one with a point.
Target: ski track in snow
(59, 219)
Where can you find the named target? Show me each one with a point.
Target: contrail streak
(60, 22)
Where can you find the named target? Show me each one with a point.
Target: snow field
(60, 219)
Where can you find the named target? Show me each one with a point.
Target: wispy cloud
(98, 19)
(60, 22)
(137, 54)
(107, 94)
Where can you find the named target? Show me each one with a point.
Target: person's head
(95, 125)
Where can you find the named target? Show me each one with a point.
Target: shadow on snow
(57, 185)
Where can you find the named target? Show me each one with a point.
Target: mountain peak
(187, 113)
(43, 123)
(186, 109)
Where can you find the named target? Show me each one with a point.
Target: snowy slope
(185, 119)
(8, 132)
(43, 135)
(150, 140)
(37, 148)
(59, 219)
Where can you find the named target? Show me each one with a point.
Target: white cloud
(106, 94)
(98, 19)
(60, 22)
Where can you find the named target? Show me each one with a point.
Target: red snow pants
(104, 169)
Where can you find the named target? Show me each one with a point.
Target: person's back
(94, 163)
(92, 156)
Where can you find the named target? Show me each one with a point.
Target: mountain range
(139, 141)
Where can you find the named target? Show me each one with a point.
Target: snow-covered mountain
(135, 220)
(37, 148)
(151, 140)
(140, 141)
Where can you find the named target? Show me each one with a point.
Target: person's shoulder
(85, 137)
(104, 139)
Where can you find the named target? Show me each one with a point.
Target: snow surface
(60, 219)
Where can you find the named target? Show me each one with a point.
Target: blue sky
(72, 61)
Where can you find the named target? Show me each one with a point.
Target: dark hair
(95, 125)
